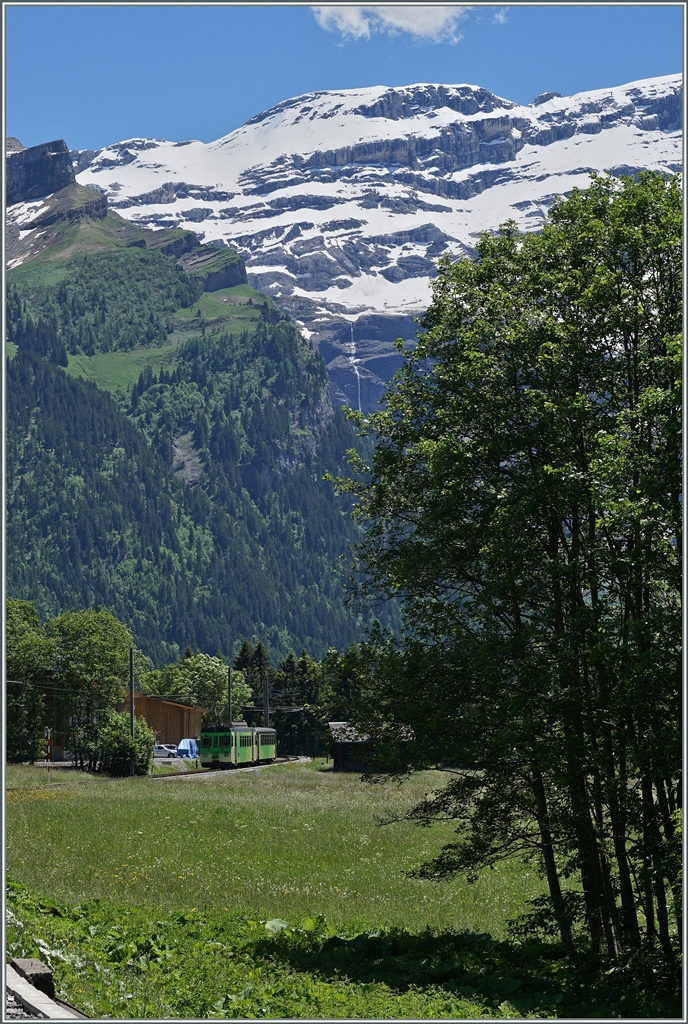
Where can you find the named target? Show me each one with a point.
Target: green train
(222, 747)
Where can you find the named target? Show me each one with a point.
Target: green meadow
(115, 371)
(289, 842)
(276, 893)
(228, 306)
(226, 311)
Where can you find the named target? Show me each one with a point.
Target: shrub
(25, 723)
(115, 746)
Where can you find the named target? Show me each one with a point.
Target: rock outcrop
(38, 171)
(33, 226)
(217, 268)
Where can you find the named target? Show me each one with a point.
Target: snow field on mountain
(341, 202)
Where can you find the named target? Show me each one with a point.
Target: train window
(225, 741)
(205, 741)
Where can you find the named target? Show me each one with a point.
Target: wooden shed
(347, 748)
(171, 720)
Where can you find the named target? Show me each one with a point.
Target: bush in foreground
(130, 963)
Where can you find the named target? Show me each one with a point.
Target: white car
(164, 750)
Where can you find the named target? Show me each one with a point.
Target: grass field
(287, 842)
(65, 239)
(273, 893)
(24, 776)
(114, 371)
(226, 305)
(226, 310)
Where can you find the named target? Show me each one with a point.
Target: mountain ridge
(340, 201)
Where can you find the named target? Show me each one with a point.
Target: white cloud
(499, 17)
(433, 23)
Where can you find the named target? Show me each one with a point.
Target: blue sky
(96, 74)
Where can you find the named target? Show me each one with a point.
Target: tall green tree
(91, 672)
(28, 661)
(203, 680)
(254, 662)
(523, 503)
(300, 682)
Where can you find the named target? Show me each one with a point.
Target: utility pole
(131, 702)
(229, 694)
(49, 736)
(266, 709)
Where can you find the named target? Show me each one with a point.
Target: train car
(222, 747)
(266, 740)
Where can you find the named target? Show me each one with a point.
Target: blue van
(187, 748)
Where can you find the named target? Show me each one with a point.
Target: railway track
(198, 774)
(206, 773)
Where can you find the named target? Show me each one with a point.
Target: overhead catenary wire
(47, 684)
(182, 697)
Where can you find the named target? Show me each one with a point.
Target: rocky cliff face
(32, 227)
(217, 268)
(340, 202)
(36, 226)
(38, 171)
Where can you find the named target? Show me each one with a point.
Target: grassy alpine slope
(231, 897)
(166, 448)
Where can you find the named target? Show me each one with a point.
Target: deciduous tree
(523, 503)
(91, 673)
(28, 661)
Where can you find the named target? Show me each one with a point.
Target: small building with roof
(171, 720)
(348, 748)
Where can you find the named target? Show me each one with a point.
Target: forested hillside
(106, 302)
(192, 503)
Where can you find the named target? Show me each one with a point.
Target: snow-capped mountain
(341, 201)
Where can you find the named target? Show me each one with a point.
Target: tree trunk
(648, 896)
(615, 802)
(669, 832)
(550, 864)
(662, 916)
